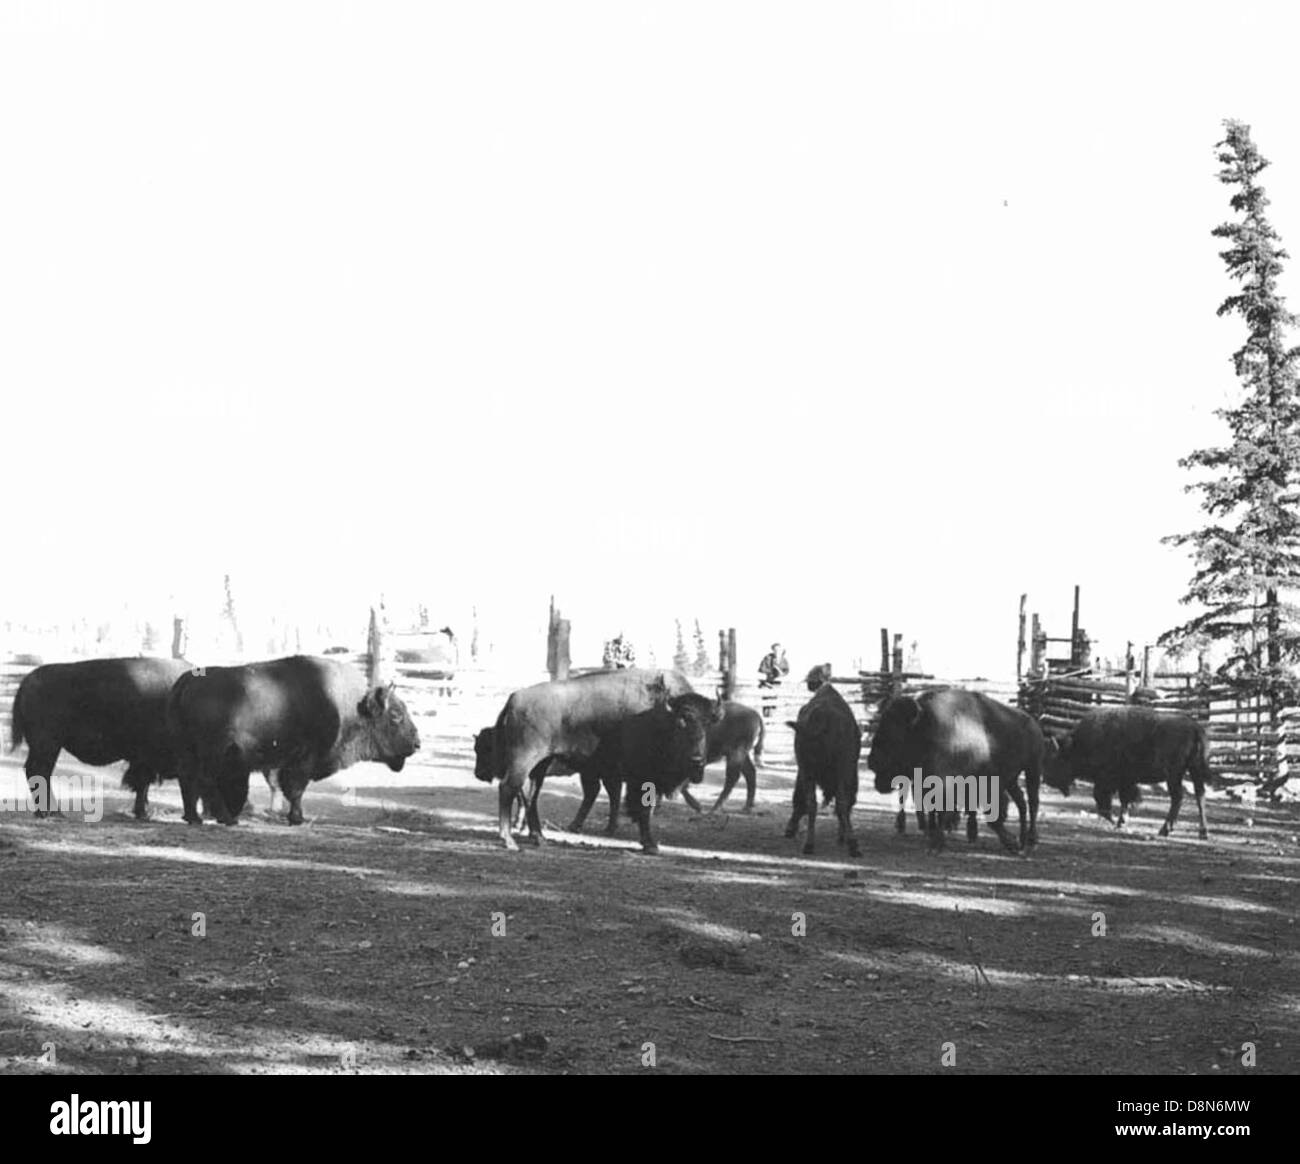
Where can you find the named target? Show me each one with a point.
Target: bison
(738, 739)
(656, 752)
(562, 721)
(827, 746)
(953, 734)
(309, 717)
(102, 711)
(1120, 748)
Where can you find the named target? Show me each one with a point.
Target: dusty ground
(365, 940)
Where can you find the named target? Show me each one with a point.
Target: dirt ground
(392, 933)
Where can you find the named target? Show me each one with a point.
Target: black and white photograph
(651, 538)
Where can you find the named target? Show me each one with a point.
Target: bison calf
(738, 739)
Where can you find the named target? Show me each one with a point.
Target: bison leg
(844, 810)
(792, 829)
(1175, 803)
(999, 825)
(810, 810)
(1104, 810)
(137, 778)
(590, 790)
(643, 813)
(292, 785)
(1198, 791)
(690, 800)
(531, 814)
(40, 776)
(934, 826)
(1017, 794)
(1031, 781)
(1124, 805)
(506, 794)
(729, 782)
(613, 793)
(972, 828)
(189, 775)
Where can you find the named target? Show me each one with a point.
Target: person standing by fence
(619, 653)
(774, 667)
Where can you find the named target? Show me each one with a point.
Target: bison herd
(641, 735)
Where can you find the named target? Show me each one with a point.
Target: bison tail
(758, 745)
(1199, 765)
(17, 729)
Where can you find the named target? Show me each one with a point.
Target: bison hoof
(650, 850)
(808, 850)
(791, 832)
(574, 826)
(854, 851)
(535, 839)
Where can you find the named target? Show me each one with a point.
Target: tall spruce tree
(1248, 557)
(702, 661)
(681, 660)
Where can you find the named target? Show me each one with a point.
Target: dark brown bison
(557, 726)
(656, 752)
(308, 717)
(737, 738)
(102, 711)
(1120, 748)
(827, 746)
(962, 737)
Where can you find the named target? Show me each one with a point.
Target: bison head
(391, 735)
(484, 747)
(891, 744)
(1058, 765)
(686, 720)
(817, 676)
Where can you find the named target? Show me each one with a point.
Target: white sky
(802, 318)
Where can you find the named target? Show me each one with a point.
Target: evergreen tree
(228, 612)
(681, 660)
(701, 652)
(1248, 557)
